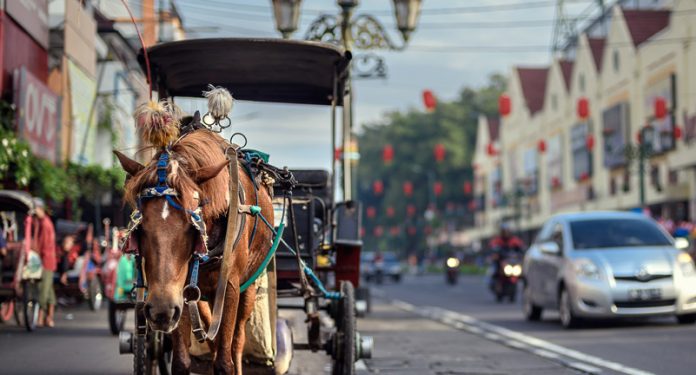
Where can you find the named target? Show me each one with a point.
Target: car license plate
(645, 294)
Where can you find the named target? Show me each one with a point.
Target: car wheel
(532, 312)
(686, 319)
(565, 310)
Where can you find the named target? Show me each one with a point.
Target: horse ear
(206, 173)
(129, 165)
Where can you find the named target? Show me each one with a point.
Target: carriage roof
(266, 70)
(15, 200)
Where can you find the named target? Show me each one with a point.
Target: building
(579, 129)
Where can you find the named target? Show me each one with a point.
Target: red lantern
(439, 152)
(467, 187)
(437, 188)
(388, 154)
(371, 212)
(583, 108)
(677, 132)
(408, 188)
(504, 105)
(429, 101)
(338, 153)
(378, 187)
(390, 211)
(394, 231)
(639, 136)
(589, 142)
(490, 149)
(660, 108)
(555, 182)
(378, 231)
(541, 146)
(362, 231)
(584, 176)
(411, 210)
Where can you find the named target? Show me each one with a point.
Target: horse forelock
(196, 150)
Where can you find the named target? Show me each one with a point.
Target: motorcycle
(452, 270)
(505, 280)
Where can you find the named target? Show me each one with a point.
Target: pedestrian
(3, 248)
(44, 242)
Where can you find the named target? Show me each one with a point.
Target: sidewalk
(408, 344)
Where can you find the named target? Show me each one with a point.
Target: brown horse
(166, 240)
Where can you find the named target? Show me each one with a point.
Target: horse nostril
(177, 314)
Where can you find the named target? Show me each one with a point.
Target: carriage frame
(289, 72)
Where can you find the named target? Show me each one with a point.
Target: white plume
(220, 101)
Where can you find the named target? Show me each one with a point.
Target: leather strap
(235, 224)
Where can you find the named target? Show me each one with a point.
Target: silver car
(607, 264)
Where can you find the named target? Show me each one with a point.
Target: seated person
(67, 255)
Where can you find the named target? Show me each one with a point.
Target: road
(657, 345)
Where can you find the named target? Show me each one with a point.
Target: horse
(167, 241)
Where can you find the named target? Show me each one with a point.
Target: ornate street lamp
(361, 32)
(287, 16)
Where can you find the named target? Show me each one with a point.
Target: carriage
(318, 254)
(20, 268)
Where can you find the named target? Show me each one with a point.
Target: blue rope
(306, 269)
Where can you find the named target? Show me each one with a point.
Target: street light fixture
(362, 32)
(287, 16)
(406, 13)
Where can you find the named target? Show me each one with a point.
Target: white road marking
(568, 357)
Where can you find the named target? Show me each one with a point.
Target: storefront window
(554, 159)
(615, 125)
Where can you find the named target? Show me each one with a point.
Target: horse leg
(181, 341)
(223, 358)
(246, 306)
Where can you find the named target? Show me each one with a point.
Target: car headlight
(586, 268)
(686, 263)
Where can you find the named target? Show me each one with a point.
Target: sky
(458, 43)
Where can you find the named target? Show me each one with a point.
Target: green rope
(264, 264)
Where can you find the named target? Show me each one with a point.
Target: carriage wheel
(345, 356)
(94, 294)
(117, 318)
(31, 305)
(6, 310)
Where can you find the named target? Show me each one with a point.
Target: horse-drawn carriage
(293, 212)
(20, 268)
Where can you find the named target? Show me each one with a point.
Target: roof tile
(643, 24)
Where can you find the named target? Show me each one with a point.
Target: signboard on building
(32, 16)
(659, 134)
(83, 90)
(38, 114)
(582, 158)
(615, 126)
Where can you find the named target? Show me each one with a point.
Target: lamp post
(360, 32)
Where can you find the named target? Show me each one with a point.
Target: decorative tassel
(220, 102)
(158, 122)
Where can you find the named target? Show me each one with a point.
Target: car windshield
(610, 233)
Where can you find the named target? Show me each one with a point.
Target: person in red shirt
(45, 244)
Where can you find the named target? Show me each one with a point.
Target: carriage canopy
(265, 70)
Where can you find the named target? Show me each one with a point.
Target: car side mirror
(550, 248)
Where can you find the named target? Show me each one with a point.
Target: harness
(235, 224)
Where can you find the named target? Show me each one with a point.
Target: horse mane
(196, 150)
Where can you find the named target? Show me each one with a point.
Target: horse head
(167, 237)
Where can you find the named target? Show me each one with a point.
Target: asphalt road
(657, 345)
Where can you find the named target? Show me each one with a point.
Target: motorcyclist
(502, 246)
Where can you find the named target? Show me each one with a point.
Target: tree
(414, 135)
